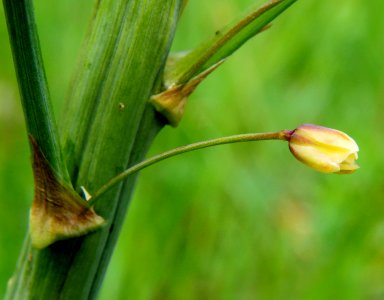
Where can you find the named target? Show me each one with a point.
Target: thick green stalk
(33, 86)
(108, 127)
(121, 114)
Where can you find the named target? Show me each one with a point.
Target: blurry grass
(239, 221)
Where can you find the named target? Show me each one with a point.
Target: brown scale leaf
(57, 212)
(171, 102)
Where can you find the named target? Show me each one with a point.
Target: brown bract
(57, 212)
(172, 101)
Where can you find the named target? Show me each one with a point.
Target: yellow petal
(324, 149)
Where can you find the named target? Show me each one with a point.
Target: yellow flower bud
(324, 149)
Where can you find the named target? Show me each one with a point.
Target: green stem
(225, 42)
(279, 135)
(32, 81)
(109, 126)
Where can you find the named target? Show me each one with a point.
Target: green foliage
(241, 221)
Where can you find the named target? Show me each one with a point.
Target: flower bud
(324, 149)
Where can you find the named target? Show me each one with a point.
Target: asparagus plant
(126, 88)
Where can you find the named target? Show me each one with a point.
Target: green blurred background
(239, 221)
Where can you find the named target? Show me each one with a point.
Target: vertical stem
(32, 81)
(109, 126)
